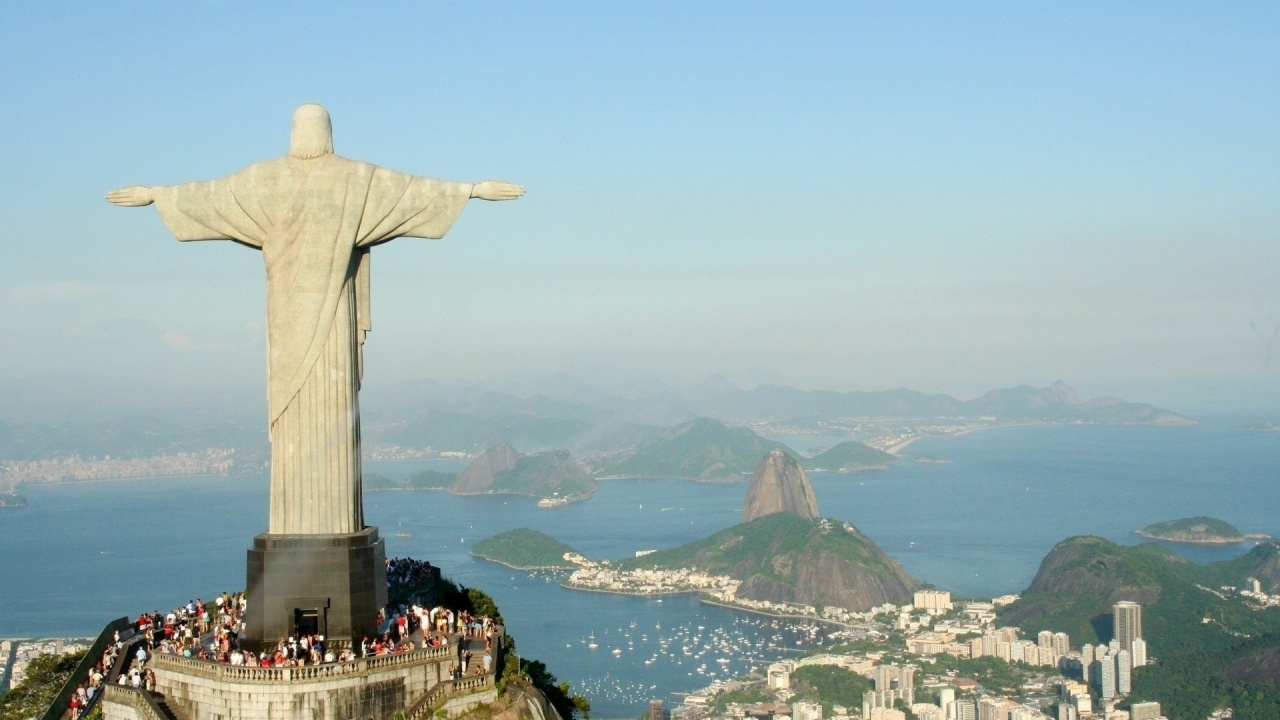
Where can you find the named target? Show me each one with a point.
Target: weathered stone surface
(371, 689)
(779, 485)
(315, 216)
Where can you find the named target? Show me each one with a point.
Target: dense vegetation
(786, 557)
(513, 668)
(1193, 683)
(544, 475)
(1194, 529)
(1211, 648)
(830, 685)
(702, 449)
(370, 482)
(524, 549)
(1083, 577)
(848, 457)
(46, 675)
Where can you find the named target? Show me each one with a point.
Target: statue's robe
(314, 220)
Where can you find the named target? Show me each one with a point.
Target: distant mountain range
(581, 418)
(597, 421)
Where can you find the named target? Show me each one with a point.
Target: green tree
(46, 675)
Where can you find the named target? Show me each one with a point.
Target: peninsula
(1197, 530)
(526, 549)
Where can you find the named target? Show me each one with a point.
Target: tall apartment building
(1106, 676)
(934, 600)
(1139, 652)
(1124, 668)
(966, 710)
(1061, 643)
(656, 710)
(1128, 623)
(893, 682)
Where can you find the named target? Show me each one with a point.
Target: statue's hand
(496, 190)
(132, 196)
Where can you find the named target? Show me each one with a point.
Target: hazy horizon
(843, 197)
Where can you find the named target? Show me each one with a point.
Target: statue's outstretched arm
(132, 196)
(496, 190)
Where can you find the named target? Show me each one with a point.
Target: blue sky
(839, 195)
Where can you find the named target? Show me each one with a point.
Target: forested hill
(785, 558)
(702, 449)
(1213, 648)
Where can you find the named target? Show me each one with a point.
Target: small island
(1197, 530)
(1265, 426)
(12, 500)
(931, 460)
(526, 549)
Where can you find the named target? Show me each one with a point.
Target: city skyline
(847, 198)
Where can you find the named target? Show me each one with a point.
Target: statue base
(330, 585)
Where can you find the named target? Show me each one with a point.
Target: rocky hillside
(779, 485)
(785, 558)
(1082, 577)
(547, 474)
(702, 449)
(483, 472)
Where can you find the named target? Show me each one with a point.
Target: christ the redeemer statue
(314, 215)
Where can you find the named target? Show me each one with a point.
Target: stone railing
(275, 675)
(448, 689)
(140, 701)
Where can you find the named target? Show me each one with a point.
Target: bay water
(81, 554)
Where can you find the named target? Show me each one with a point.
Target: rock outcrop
(779, 485)
(481, 474)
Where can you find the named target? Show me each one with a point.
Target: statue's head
(312, 132)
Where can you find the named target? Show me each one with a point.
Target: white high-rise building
(1106, 676)
(1061, 643)
(1124, 666)
(933, 600)
(1139, 652)
(1045, 638)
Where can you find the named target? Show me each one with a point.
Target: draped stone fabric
(314, 221)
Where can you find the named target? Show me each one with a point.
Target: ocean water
(81, 554)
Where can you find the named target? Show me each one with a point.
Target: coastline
(522, 569)
(80, 481)
(810, 618)
(664, 593)
(899, 447)
(1205, 541)
(707, 600)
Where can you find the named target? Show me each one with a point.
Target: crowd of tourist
(211, 632)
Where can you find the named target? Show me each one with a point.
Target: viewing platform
(416, 682)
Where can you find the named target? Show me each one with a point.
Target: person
(488, 660)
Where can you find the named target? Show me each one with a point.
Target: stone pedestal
(331, 585)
